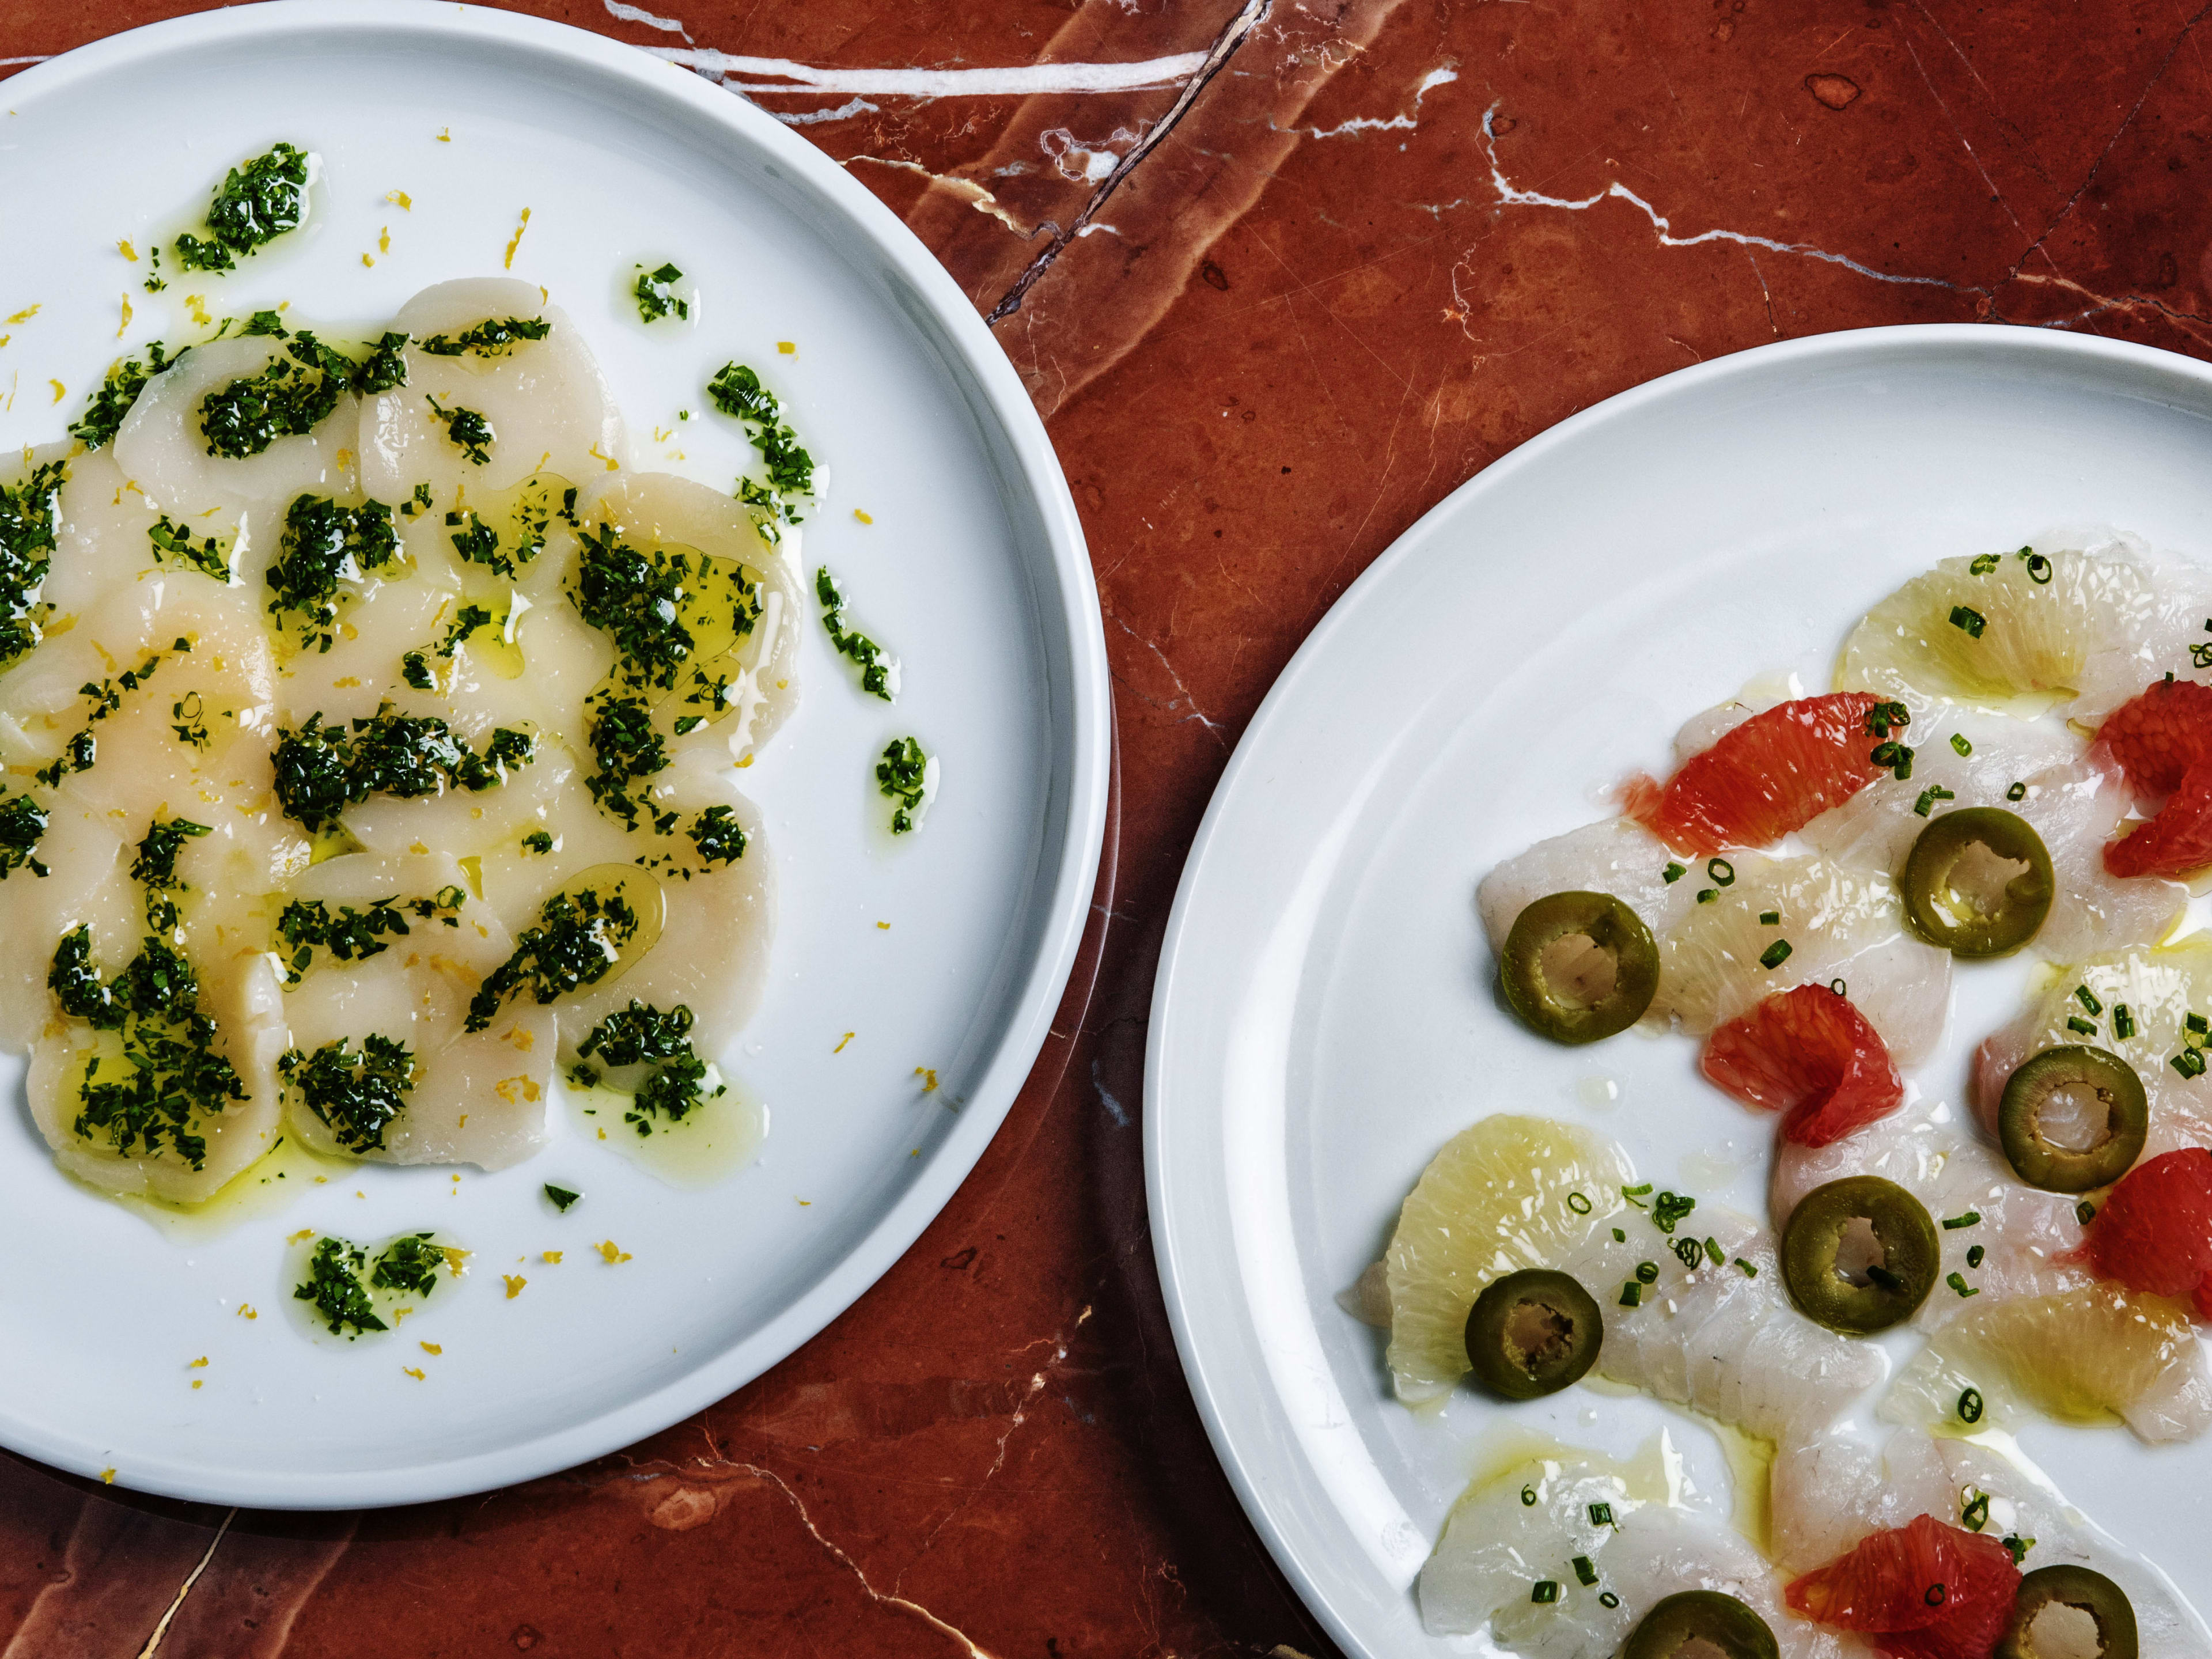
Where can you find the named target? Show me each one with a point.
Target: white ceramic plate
(974, 571)
(1324, 1020)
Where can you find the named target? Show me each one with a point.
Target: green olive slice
(1724, 1627)
(2078, 1587)
(1853, 1279)
(1978, 882)
(1533, 1332)
(2102, 1089)
(1579, 966)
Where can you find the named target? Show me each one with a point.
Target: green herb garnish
(410, 1265)
(27, 516)
(258, 201)
(738, 392)
(493, 337)
(718, 836)
(657, 297)
(877, 671)
(357, 1097)
(334, 1285)
(465, 429)
(561, 1197)
(126, 379)
(578, 939)
(902, 775)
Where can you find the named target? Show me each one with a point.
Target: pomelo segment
(1508, 1194)
(2014, 636)
(2153, 1232)
(1808, 1053)
(1923, 1590)
(1774, 772)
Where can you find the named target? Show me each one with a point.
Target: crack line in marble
(1510, 195)
(967, 189)
(1233, 34)
(844, 112)
(1404, 121)
(1960, 133)
(615, 9)
(1182, 692)
(1011, 81)
(161, 1630)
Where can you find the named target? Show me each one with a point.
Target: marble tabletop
(1280, 275)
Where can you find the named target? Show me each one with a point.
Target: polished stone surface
(1274, 302)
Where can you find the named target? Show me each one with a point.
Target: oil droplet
(1597, 1092)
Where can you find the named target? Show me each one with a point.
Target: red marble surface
(1271, 314)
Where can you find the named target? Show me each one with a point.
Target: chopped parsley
(126, 379)
(385, 367)
(634, 600)
(323, 544)
(23, 821)
(560, 1196)
(626, 748)
(321, 771)
(878, 673)
(465, 429)
(737, 391)
(27, 511)
(718, 836)
(77, 755)
(172, 540)
(358, 1096)
(642, 1034)
(258, 201)
(578, 939)
(261, 323)
(409, 1265)
(477, 542)
(307, 925)
(292, 394)
(538, 840)
(657, 297)
(902, 775)
(157, 863)
(334, 1285)
(466, 621)
(492, 337)
(415, 668)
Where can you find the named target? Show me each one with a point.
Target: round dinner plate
(1324, 1018)
(460, 141)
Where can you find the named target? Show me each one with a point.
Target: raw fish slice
(2025, 1236)
(2163, 642)
(547, 795)
(162, 449)
(1839, 924)
(477, 1097)
(2160, 987)
(756, 669)
(2021, 1507)
(1617, 856)
(1830, 1489)
(1809, 1054)
(1498, 1197)
(2034, 641)
(2093, 1355)
(2153, 1231)
(241, 993)
(102, 542)
(87, 880)
(2073, 796)
(1925, 1590)
(1495, 1544)
(548, 404)
(1765, 776)
(1715, 1338)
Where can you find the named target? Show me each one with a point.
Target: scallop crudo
(370, 734)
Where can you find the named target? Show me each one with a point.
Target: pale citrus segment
(1509, 1192)
(2014, 636)
(2098, 1354)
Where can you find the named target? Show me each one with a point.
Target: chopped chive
(1972, 1218)
(2084, 1212)
(2087, 998)
(1974, 1514)
(1982, 564)
(1668, 1209)
(1619, 1237)
(1721, 871)
(1608, 1600)
(2017, 1546)
(1647, 1272)
(2123, 1022)
(2018, 792)
(1578, 1203)
(1673, 873)
(1970, 1406)
(1584, 1570)
(1974, 1255)
(1528, 1497)
(1706, 895)
(1775, 954)
(1690, 1254)
(2087, 1028)
(1636, 1192)
(1749, 1271)
(1839, 987)
(1770, 918)
(1714, 1253)
(2197, 1024)
(1904, 765)
(1630, 1294)
(1958, 1282)
(1960, 743)
(1544, 1592)
(2039, 568)
(1968, 621)
(1601, 1515)
(1929, 796)
(2189, 1062)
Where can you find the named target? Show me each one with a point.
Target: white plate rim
(1076, 812)
(1182, 1115)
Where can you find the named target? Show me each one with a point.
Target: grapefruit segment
(1773, 774)
(1809, 1054)
(1923, 1590)
(2162, 735)
(2153, 1233)
(2175, 843)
